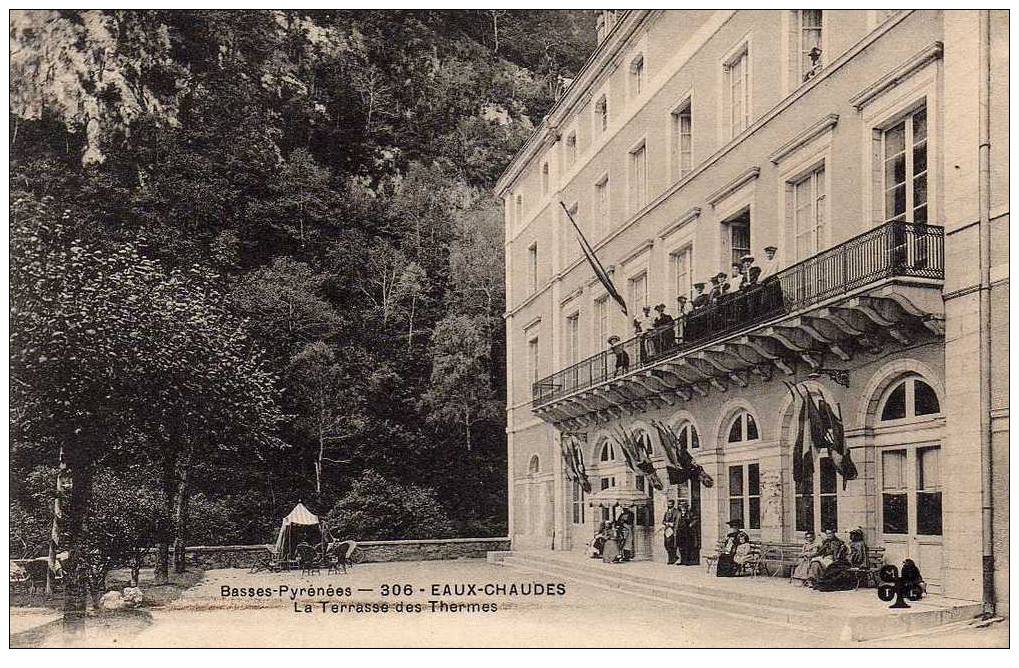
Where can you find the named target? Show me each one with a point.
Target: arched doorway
(908, 435)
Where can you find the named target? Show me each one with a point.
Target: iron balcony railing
(891, 249)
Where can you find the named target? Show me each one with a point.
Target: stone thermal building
(870, 148)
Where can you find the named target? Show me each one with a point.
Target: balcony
(879, 289)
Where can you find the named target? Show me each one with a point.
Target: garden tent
(300, 525)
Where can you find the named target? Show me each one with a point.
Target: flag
(596, 265)
(573, 458)
(637, 458)
(815, 421)
(803, 462)
(681, 466)
(837, 450)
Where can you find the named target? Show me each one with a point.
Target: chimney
(606, 19)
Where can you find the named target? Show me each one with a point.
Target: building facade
(870, 148)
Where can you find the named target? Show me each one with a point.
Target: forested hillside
(255, 260)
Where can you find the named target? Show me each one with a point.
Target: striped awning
(301, 515)
(616, 496)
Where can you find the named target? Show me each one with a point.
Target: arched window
(608, 452)
(911, 397)
(534, 466)
(743, 428)
(688, 436)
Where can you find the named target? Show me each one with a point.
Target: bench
(752, 566)
(869, 573)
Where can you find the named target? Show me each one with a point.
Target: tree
(378, 508)
(460, 392)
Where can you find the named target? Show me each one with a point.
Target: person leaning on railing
(665, 337)
(622, 357)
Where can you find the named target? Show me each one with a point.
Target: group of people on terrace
(747, 289)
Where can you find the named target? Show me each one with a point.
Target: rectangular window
(745, 494)
(601, 115)
(894, 496)
(532, 359)
(739, 236)
(532, 267)
(681, 144)
(681, 267)
(578, 503)
(638, 178)
(573, 338)
(905, 169)
(518, 209)
(737, 91)
(637, 76)
(805, 501)
(544, 179)
(828, 493)
(808, 42)
(601, 323)
(571, 149)
(809, 196)
(638, 292)
(928, 491)
(601, 197)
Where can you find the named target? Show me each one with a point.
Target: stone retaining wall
(240, 556)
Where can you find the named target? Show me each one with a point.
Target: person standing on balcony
(664, 337)
(681, 312)
(646, 323)
(736, 278)
(770, 265)
(693, 326)
(622, 357)
(715, 295)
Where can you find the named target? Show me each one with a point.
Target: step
(692, 587)
(813, 621)
(840, 624)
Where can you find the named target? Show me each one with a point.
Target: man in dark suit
(688, 536)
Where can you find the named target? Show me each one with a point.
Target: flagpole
(596, 265)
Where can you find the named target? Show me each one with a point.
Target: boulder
(133, 597)
(111, 600)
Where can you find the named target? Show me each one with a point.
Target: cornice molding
(684, 220)
(641, 248)
(570, 297)
(805, 137)
(734, 185)
(921, 58)
(536, 320)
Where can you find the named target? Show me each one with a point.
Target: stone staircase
(838, 617)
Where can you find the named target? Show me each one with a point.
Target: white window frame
(745, 496)
(637, 165)
(532, 267)
(906, 120)
(795, 68)
(571, 335)
(638, 75)
(639, 278)
(741, 415)
(918, 89)
(683, 254)
(818, 209)
(546, 179)
(570, 146)
(601, 322)
(731, 126)
(678, 167)
(534, 359)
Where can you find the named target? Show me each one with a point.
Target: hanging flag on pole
(596, 265)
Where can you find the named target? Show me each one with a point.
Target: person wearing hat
(694, 325)
(736, 278)
(727, 566)
(665, 338)
(669, 529)
(688, 536)
(624, 525)
(622, 357)
(832, 558)
(644, 326)
(682, 309)
(772, 296)
(715, 295)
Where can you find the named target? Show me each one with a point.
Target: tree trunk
(180, 515)
(76, 568)
(161, 574)
(57, 529)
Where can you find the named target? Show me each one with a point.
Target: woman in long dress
(807, 552)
